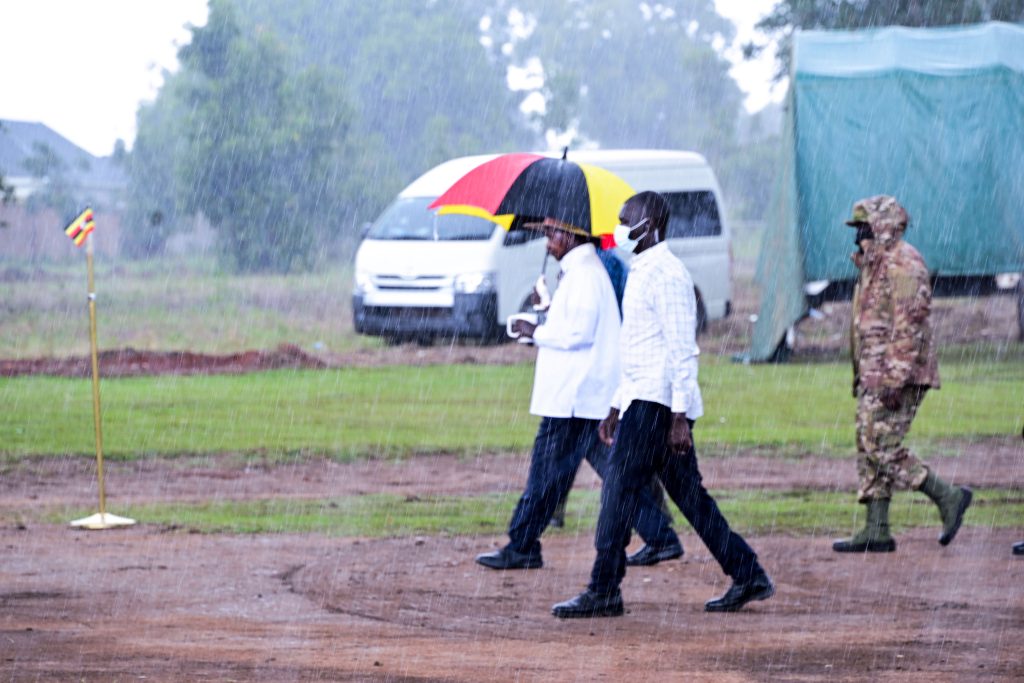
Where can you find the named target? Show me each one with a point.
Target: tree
(789, 15)
(626, 73)
(259, 140)
(152, 212)
(120, 152)
(422, 86)
(6, 191)
(6, 196)
(345, 100)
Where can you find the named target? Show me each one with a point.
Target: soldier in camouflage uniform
(894, 365)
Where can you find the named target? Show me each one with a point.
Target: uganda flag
(80, 227)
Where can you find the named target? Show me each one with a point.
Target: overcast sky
(82, 68)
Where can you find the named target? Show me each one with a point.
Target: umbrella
(583, 195)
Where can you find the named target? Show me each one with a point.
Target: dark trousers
(641, 450)
(560, 447)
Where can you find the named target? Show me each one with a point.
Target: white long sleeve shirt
(659, 335)
(577, 359)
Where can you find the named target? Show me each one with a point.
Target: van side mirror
(365, 230)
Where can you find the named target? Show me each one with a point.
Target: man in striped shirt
(659, 400)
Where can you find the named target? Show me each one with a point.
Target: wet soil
(157, 603)
(994, 462)
(132, 362)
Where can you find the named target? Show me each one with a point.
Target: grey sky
(82, 68)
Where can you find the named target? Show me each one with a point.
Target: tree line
(290, 124)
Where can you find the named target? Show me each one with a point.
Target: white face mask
(621, 235)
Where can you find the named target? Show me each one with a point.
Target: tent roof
(933, 51)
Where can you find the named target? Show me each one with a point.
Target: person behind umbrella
(618, 272)
(576, 372)
(650, 424)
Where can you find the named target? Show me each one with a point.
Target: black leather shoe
(852, 546)
(507, 558)
(587, 605)
(650, 555)
(1018, 548)
(965, 501)
(758, 588)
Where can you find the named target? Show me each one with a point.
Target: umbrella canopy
(586, 196)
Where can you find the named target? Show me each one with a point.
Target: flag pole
(101, 520)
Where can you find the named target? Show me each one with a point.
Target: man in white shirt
(659, 400)
(576, 373)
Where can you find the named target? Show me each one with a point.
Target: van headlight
(474, 283)
(362, 282)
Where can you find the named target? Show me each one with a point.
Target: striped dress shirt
(658, 340)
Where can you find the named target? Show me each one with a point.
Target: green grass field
(397, 411)
(173, 305)
(760, 512)
(394, 412)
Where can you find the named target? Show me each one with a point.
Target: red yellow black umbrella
(586, 196)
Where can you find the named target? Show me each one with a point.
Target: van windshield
(410, 219)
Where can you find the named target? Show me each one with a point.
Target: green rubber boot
(952, 502)
(874, 537)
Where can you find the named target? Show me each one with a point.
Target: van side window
(694, 214)
(514, 238)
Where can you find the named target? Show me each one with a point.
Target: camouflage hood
(888, 221)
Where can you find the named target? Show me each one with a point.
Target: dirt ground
(164, 604)
(157, 603)
(49, 482)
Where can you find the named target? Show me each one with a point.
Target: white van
(419, 275)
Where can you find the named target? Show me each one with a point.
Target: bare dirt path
(141, 604)
(47, 481)
(160, 604)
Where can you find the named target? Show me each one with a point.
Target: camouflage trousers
(883, 464)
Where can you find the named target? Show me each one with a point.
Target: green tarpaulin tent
(934, 117)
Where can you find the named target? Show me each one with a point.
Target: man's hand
(523, 328)
(891, 399)
(606, 430)
(680, 440)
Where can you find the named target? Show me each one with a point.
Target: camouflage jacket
(891, 337)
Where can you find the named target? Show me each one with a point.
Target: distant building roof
(19, 141)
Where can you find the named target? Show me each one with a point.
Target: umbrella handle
(543, 294)
(541, 286)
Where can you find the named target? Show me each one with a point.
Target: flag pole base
(102, 520)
